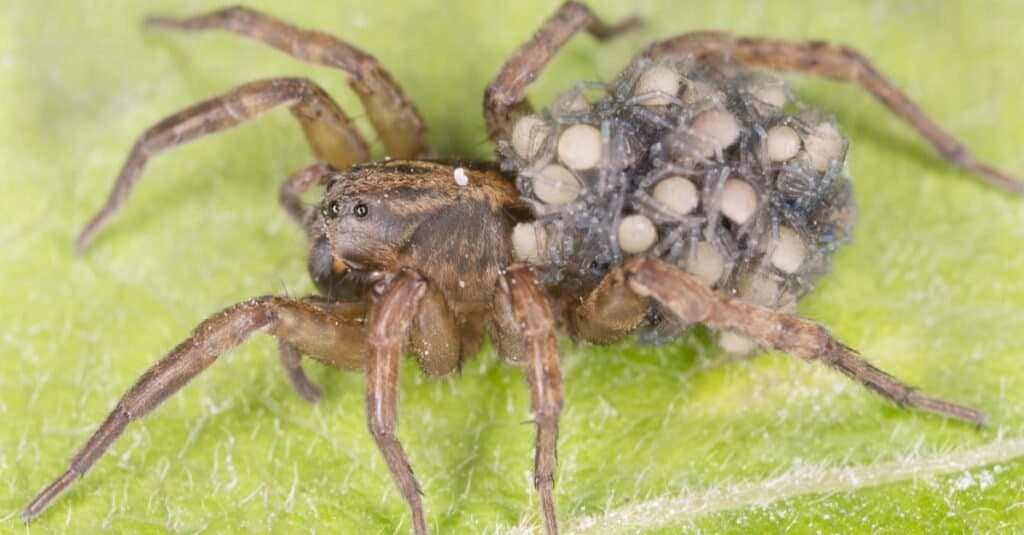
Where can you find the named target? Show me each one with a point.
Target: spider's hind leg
(833, 62)
(695, 303)
(505, 98)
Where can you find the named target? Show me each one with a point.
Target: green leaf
(653, 439)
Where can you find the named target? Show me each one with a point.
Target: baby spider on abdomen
(706, 166)
(689, 190)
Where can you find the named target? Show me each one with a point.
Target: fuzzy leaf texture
(654, 440)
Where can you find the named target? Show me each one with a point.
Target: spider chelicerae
(689, 190)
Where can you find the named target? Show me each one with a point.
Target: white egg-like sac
(636, 234)
(697, 91)
(787, 304)
(556, 185)
(571, 102)
(529, 135)
(823, 146)
(656, 85)
(738, 201)
(528, 242)
(736, 344)
(789, 251)
(717, 126)
(677, 194)
(771, 94)
(782, 143)
(706, 264)
(579, 147)
(758, 288)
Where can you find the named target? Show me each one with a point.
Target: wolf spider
(418, 255)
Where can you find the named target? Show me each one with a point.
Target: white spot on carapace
(460, 177)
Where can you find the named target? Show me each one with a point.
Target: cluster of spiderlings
(712, 167)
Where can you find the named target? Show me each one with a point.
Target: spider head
(452, 223)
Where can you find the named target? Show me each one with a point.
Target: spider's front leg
(408, 309)
(329, 132)
(394, 116)
(310, 329)
(525, 331)
(694, 303)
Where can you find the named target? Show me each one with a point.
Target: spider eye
(361, 210)
(332, 210)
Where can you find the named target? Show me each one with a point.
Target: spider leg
(389, 328)
(835, 62)
(291, 358)
(289, 196)
(393, 115)
(329, 131)
(349, 312)
(695, 303)
(409, 310)
(609, 312)
(309, 329)
(505, 98)
(435, 336)
(530, 327)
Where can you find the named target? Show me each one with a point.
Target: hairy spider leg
(505, 98)
(526, 322)
(330, 133)
(408, 309)
(396, 119)
(330, 338)
(692, 302)
(834, 62)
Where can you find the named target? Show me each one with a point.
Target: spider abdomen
(712, 167)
